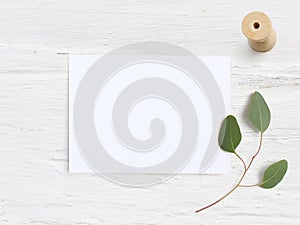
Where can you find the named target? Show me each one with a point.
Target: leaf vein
(274, 175)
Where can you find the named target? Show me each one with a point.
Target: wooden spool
(257, 27)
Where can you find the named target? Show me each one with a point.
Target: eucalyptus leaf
(230, 134)
(259, 112)
(274, 174)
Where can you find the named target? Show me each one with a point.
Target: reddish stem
(246, 168)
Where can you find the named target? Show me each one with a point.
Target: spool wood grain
(257, 27)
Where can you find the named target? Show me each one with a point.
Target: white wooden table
(35, 40)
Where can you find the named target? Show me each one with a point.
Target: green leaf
(274, 174)
(230, 134)
(259, 112)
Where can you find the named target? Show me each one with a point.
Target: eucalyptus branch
(251, 185)
(258, 150)
(246, 168)
(220, 199)
(244, 164)
(230, 137)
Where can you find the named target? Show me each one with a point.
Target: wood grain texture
(35, 40)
